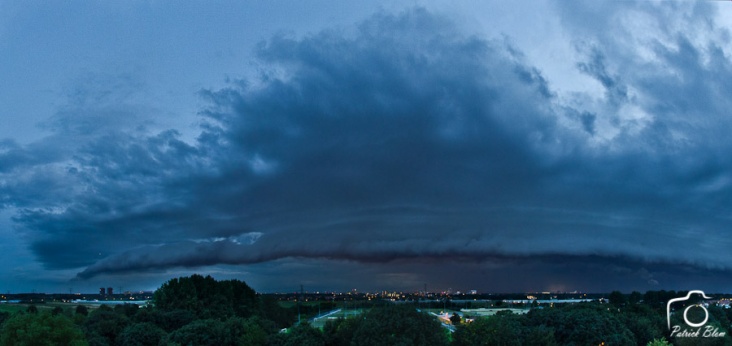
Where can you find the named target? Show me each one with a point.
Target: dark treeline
(192, 310)
(200, 310)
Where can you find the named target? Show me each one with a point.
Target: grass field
(320, 322)
(15, 307)
(12, 308)
(291, 304)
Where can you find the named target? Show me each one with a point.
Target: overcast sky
(498, 146)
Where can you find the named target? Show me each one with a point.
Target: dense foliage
(206, 297)
(390, 325)
(40, 329)
(199, 310)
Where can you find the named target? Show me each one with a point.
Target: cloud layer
(406, 139)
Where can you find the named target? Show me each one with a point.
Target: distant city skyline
(496, 146)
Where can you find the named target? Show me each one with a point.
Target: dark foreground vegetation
(199, 310)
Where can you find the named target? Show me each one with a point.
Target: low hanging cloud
(404, 139)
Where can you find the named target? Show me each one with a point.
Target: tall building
(101, 291)
(110, 291)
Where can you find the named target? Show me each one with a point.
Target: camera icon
(686, 311)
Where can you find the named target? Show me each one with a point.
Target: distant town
(468, 299)
(108, 294)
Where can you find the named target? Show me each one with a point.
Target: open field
(491, 312)
(12, 308)
(319, 322)
(15, 307)
(291, 304)
(440, 311)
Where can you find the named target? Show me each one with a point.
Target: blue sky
(498, 146)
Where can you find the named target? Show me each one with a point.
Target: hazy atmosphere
(498, 146)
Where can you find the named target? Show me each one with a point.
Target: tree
(617, 298)
(200, 332)
(252, 331)
(300, 335)
(658, 342)
(455, 319)
(271, 310)
(398, 325)
(635, 297)
(200, 310)
(652, 298)
(206, 297)
(40, 329)
(82, 310)
(168, 320)
(234, 331)
(340, 332)
(539, 336)
(645, 323)
(128, 310)
(493, 330)
(105, 324)
(4, 316)
(583, 324)
(141, 334)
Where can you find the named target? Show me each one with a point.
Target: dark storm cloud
(404, 140)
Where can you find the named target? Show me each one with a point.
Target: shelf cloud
(407, 138)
